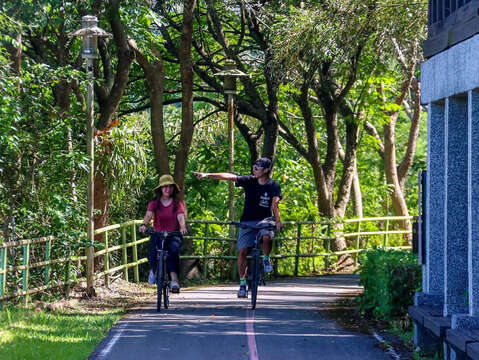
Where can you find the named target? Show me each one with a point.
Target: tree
(327, 53)
(398, 91)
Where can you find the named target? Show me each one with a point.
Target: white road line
(249, 322)
(390, 351)
(113, 340)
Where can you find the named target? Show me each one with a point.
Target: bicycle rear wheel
(159, 283)
(255, 279)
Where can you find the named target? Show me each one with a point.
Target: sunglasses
(256, 167)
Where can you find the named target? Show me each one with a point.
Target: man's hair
(265, 163)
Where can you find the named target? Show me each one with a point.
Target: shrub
(390, 278)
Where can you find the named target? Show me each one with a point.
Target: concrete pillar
(456, 210)
(433, 279)
(433, 269)
(473, 194)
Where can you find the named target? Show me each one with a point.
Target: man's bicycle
(161, 272)
(256, 270)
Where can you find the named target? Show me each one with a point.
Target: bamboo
(26, 271)
(205, 252)
(296, 259)
(358, 238)
(328, 245)
(3, 273)
(67, 277)
(386, 236)
(136, 275)
(25, 242)
(48, 246)
(106, 260)
(124, 252)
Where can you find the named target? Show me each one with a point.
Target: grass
(34, 333)
(67, 329)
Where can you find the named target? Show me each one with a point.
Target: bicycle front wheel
(255, 279)
(166, 289)
(159, 283)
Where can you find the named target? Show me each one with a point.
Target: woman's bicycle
(256, 271)
(161, 272)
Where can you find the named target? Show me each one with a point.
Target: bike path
(210, 323)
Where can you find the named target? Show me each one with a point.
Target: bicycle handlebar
(166, 234)
(263, 226)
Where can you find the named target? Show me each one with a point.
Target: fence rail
(59, 272)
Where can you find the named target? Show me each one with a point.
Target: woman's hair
(174, 195)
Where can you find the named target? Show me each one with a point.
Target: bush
(390, 279)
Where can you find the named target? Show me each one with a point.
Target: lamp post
(89, 33)
(230, 73)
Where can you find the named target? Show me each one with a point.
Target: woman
(169, 215)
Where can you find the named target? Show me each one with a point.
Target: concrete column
(433, 279)
(473, 185)
(456, 210)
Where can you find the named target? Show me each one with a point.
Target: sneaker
(151, 278)
(267, 266)
(175, 287)
(242, 293)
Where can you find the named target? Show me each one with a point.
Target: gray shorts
(246, 237)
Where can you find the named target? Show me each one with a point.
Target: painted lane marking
(249, 322)
(113, 340)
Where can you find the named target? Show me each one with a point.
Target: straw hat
(167, 179)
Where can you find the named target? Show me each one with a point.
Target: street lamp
(230, 73)
(89, 33)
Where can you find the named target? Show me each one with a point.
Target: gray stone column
(471, 320)
(473, 181)
(456, 211)
(433, 270)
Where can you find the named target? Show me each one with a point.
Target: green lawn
(58, 334)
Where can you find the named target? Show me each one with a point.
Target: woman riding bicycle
(262, 195)
(168, 212)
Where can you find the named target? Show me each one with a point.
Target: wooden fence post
(106, 260)
(386, 235)
(124, 253)
(26, 271)
(48, 250)
(358, 237)
(205, 252)
(3, 275)
(67, 275)
(136, 276)
(296, 259)
(328, 247)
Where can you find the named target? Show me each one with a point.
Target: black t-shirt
(258, 198)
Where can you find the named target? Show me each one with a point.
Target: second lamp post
(230, 73)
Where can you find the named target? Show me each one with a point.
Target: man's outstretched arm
(219, 176)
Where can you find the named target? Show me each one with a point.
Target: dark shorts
(246, 237)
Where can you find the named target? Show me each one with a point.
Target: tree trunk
(397, 197)
(155, 79)
(189, 268)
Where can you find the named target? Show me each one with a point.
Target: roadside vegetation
(66, 329)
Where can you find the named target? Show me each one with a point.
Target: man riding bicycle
(262, 195)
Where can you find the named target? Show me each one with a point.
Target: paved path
(210, 323)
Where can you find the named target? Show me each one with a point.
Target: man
(262, 195)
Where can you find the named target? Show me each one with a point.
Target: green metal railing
(117, 257)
